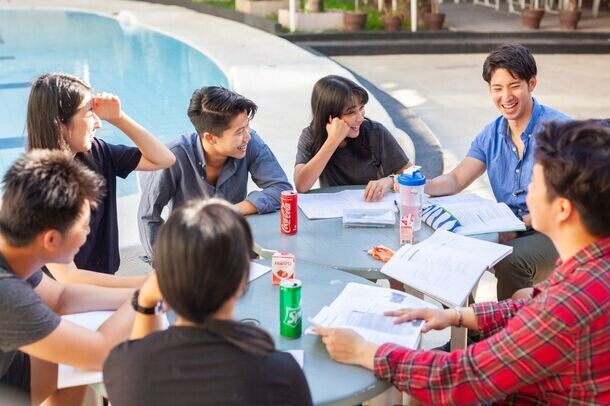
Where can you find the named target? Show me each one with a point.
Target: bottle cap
(412, 177)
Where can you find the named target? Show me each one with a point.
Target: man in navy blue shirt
(505, 149)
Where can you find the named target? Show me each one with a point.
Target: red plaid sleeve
(492, 316)
(533, 345)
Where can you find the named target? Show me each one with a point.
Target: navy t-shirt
(100, 252)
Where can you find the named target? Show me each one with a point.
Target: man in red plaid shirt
(554, 346)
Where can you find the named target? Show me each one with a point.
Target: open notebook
(445, 266)
(360, 307)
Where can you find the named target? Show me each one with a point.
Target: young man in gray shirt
(213, 161)
(44, 217)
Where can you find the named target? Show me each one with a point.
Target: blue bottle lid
(412, 177)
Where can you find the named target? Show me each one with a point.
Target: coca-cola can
(288, 212)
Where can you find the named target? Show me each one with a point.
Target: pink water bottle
(411, 184)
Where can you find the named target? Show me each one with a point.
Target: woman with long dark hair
(64, 113)
(202, 260)
(343, 147)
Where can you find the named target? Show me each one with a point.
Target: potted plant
(569, 15)
(531, 16)
(354, 21)
(434, 19)
(392, 21)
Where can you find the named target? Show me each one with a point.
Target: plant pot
(530, 18)
(434, 21)
(354, 21)
(391, 23)
(568, 19)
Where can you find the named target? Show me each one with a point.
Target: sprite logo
(293, 316)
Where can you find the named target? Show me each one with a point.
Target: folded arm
(268, 175)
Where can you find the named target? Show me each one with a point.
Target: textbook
(477, 215)
(360, 307)
(446, 266)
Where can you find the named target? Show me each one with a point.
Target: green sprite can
(291, 325)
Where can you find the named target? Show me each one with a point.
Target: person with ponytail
(64, 113)
(202, 262)
(343, 147)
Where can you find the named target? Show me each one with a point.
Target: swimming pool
(153, 74)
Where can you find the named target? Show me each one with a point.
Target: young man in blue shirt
(213, 161)
(505, 149)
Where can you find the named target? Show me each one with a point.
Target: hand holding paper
(347, 346)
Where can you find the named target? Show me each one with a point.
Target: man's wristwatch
(156, 309)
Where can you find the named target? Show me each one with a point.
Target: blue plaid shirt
(508, 174)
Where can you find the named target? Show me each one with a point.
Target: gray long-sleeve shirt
(186, 180)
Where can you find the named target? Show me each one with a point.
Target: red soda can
(288, 212)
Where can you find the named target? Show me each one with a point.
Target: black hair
(202, 258)
(54, 99)
(212, 108)
(515, 58)
(330, 97)
(575, 157)
(45, 189)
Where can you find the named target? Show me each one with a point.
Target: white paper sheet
(298, 355)
(477, 215)
(68, 376)
(331, 205)
(257, 270)
(446, 266)
(360, 307)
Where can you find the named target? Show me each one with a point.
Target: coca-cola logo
(285, 207)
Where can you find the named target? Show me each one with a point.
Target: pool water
(154, 75)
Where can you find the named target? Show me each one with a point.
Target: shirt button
(514, 149)
(517, 170)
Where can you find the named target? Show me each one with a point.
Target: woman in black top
(342, 147)
(64, 113)
(202, 262)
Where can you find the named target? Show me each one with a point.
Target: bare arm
(149, 296)
(305, 175)
(376, 189)
(457, 180)
(68, 299)
(155, 155)
(74, 345)
(70, 274)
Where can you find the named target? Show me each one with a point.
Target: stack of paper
(331, 205)
(445, 266)
(477, 215)
(360, 307)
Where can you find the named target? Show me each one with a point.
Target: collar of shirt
(527, 133)
(229, 168)
(599, 249)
